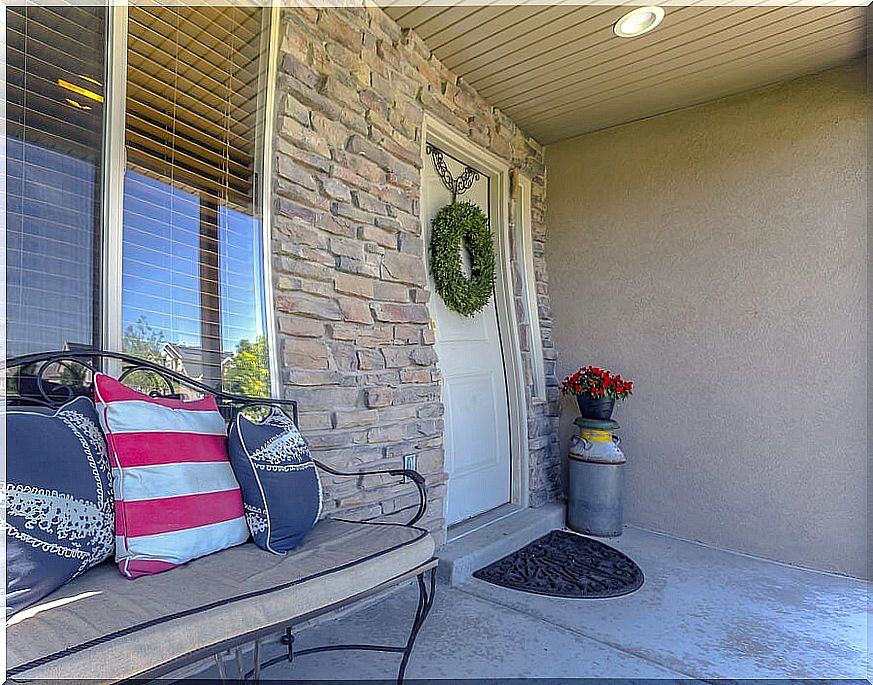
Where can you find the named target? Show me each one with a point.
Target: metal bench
(104, 627)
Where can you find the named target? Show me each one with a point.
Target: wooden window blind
(193, 98)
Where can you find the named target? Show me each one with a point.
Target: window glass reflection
(192, 269)
(54, 142)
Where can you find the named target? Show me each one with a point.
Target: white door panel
(473, 380)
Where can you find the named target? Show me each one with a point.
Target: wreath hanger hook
(456, 186)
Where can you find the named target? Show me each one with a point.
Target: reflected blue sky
(161, 268)
(50, 248)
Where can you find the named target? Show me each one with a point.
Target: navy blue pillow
(279, 482)
(60, 517)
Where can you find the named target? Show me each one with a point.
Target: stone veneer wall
(349, 271)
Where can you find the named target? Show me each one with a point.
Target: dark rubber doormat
(563, 564)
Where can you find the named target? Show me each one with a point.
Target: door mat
(562, 564)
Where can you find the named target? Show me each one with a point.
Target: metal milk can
(595, 502)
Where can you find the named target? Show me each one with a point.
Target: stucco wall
(717, 255)
(350, 278)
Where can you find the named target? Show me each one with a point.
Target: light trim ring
(638, 21)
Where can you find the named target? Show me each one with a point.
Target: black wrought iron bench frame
(28, 384)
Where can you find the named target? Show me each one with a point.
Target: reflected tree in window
(141, 340)
(248, 371)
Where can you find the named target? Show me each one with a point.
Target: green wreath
(455, 227)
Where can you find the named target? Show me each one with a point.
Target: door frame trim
(498, 170)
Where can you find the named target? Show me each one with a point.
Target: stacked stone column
(349, 266)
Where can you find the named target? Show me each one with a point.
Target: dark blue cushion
(279, 482)
(60, 517)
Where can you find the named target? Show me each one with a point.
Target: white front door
(473, 377)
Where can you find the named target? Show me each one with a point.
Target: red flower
(596, 382)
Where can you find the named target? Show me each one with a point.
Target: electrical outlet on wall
(409, 462)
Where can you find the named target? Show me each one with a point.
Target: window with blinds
(54, 143)
(192, 267)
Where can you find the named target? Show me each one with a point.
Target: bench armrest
(412, 475)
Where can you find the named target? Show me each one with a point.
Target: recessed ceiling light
(638, 21)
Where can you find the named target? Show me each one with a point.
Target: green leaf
(462, 225)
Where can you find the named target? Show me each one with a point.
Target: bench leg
(426, 587)
(222, 671)
(256, 672)
(425, 602)
(241, 675)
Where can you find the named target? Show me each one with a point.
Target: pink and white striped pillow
(176, 497)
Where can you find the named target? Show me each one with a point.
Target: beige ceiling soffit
(596, 77)
(397, 4)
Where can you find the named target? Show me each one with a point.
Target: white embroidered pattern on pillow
(287, 451)
(87, 526)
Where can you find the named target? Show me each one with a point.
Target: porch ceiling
(559, 71)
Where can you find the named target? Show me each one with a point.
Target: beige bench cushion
(105, 627)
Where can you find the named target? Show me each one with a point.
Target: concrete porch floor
(702, 613)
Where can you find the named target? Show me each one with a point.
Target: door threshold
(510, 528)
(456, 531)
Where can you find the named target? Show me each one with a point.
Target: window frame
(524, 241)
(114, 165)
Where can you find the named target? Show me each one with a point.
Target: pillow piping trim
(19, 412)
(119, 501)
(242, 442)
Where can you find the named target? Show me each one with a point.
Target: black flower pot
(599, 408)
